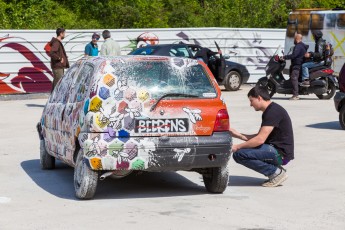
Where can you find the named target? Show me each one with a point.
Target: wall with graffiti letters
(25, 65)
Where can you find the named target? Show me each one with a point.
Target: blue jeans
(308, 65)
(263, 159)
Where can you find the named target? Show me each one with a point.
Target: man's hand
(235, 148)
(61, 60)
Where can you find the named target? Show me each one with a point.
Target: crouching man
(273, 146)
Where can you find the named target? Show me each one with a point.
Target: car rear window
(162, 77)
(147, 50)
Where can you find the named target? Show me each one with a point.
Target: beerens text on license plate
(175, 125)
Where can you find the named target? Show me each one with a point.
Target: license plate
(175, 125)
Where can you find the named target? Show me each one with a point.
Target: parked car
(227, 73)
(339, 98)
(110, 116)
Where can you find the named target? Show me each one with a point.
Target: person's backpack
(328, 53)
(329, 47)
(47, 48)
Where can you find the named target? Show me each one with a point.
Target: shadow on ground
(333, 125)
(245, 181)
(311, 98)
(59, 182)
(35, 105)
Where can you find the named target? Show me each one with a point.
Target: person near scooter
(317, 57)
(297, 58)
(204, 54)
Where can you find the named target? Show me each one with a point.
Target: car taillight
(222, 121)
(328, 71)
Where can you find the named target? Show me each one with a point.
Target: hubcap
(234, 80)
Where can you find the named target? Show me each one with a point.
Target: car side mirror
(226, 56)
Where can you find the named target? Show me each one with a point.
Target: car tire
(342, 116)
(233, 81)
(46, 161)
(330, 91)
(217, 179)
(85, 179)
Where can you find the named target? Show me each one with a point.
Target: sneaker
(281, 168)
(276, 181)
(294, 98)
(305, 83)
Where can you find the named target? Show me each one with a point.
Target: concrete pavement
(313, 197)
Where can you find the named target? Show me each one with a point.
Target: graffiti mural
(25, 64)
(33, 71)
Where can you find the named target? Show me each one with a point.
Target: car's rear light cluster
(222, 122)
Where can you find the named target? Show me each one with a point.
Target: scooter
(322, 81)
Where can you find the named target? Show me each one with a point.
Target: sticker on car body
(209, 95)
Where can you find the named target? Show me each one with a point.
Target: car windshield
(162, 77)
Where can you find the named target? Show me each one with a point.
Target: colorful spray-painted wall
(25, 65)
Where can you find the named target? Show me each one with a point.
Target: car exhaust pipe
(105, 175)
(212, 157)
(116, 174)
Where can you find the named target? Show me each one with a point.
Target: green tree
(116, 14)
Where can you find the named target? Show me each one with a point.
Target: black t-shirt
(281, 136)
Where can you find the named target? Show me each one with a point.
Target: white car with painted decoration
(111, 116)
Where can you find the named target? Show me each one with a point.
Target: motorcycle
(322, 81)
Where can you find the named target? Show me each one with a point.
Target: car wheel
(47, 161)
(330, 91)
(342, 116)
(85, 179)
(233, 81)
(217, 179)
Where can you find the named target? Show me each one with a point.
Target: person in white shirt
(109, 47)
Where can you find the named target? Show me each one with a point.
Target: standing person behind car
(297, 58)
(204, 54)
(272, 146)
(317, 57)
(91, 49)
(58, 56)
(109, 47)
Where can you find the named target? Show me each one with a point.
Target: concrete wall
(25, 66)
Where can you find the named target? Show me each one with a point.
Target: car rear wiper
(171, 95)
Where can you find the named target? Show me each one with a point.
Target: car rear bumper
(339, 96)
(159, 153)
